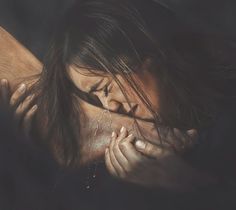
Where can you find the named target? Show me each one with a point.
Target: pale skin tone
(27, 109)
(106, 89)
(146, 164)
(126, 158)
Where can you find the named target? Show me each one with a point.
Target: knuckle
(122, 147)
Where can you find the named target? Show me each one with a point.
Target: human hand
(146, 164)
(96, 131)
(20, 104)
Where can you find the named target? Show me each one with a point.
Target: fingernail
(34, 107)
(30, 97)
(113, 134)
(3, 82)
(130, 135)
(140, 144)
(22, 88)
(122, 129)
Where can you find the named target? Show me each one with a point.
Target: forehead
(83, 78)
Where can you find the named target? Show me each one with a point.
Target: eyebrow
(95, 86)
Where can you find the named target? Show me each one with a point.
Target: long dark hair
(118, 36)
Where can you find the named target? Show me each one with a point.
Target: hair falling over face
(116, 37)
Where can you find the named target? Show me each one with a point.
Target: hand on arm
(149, 165)
(20, 104)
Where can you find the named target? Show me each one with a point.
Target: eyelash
(105, 90)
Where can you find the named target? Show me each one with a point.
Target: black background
(32, 21)
(28, 175)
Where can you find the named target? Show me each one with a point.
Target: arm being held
(16, 62)
(152, 166)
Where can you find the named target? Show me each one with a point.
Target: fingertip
(123, 129)
(4, 82)
(140, 144)
(34, 108)
(123, 132)
(22, 87)
(113, 134)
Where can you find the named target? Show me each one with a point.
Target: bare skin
(149, 165)
(97, 126)
(17, 62)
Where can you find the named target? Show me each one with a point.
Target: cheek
(149, 88)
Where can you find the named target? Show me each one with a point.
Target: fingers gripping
(17, 96)
(148, 149)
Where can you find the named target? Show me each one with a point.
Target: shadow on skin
(16, 63)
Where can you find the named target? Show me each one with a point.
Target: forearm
(16, 62)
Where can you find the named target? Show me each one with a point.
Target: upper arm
(16, 62)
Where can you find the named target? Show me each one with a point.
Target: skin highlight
(110, 96)
(183, 103)
(15, 74)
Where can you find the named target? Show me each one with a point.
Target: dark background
(32, 21)
(29, 179)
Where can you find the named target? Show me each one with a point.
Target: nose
(109, 103)
(115, 105)
(115, 102)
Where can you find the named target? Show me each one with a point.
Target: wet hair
(192, 68)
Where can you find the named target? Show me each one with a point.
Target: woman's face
(110, 95)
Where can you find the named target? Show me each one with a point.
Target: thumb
(148, 149)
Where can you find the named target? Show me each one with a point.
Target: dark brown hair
(117, 36)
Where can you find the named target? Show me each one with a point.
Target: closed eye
(106, 90)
